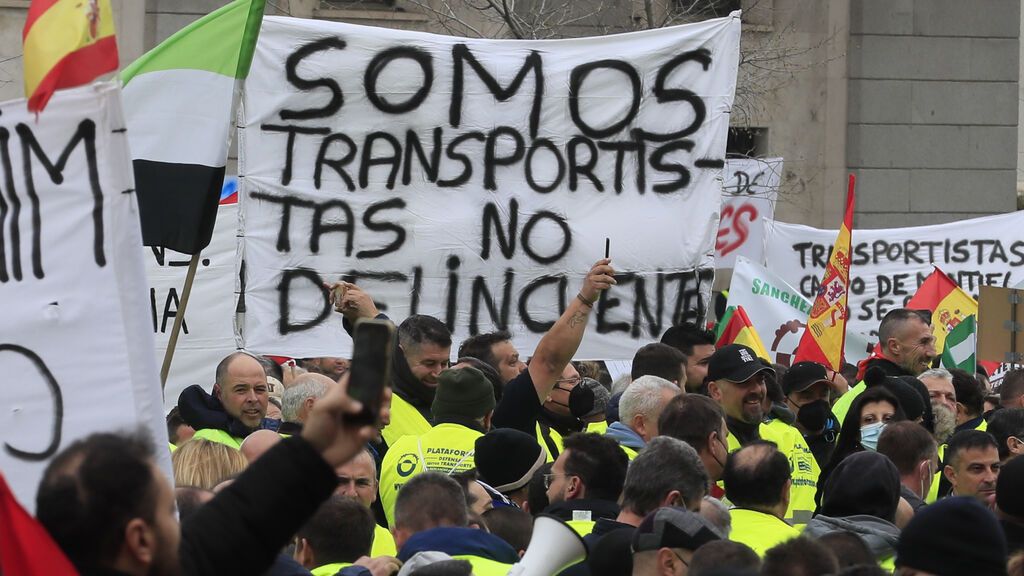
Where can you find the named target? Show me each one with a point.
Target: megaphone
(553, 547)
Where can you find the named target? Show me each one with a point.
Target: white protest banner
(476, 180)
(207, 333)
(889, 264)
(749, 193)
(779, 312)
(76, 349)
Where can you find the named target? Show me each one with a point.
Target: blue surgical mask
(869, 435)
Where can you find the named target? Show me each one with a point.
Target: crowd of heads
(916, 472)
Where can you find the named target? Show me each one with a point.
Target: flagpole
(179, 318)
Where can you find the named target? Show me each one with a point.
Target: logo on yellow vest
(407, 464)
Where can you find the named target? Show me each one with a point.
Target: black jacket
(244, 527)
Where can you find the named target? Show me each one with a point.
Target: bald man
(257, 443)
(241, 387)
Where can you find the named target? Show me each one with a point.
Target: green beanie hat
(462, 394)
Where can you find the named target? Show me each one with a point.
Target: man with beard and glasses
(906, 347)
(736, 380)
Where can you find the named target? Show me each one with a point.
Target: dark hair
(174, 420)
(660, 360)
(895, 319)
(1012, 386)
(489, 371)
(969, 391)
(799, 556)
(849, 434)
(270, 368)
(863, 570)
(599, 462)
(91, 490)
(967, 440)
(479, 346)
(663, 466)
(685, 336)
(419, 328)
(189, 500)
(848, 548)
(429, 500)
(536, 493)
(511, 524)
(465, 479)
(341, 530)
(906, 444)
(691, 418)
(755, 474)
(1005, 423)
(724, 556)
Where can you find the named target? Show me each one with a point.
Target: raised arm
(558, 346)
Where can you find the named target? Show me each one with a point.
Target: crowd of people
(702, 461)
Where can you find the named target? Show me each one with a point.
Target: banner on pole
(888, 265)
(779, 312)
(75, 344)
(476, 180)
(750, 190)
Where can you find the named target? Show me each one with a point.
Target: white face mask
(869, 435)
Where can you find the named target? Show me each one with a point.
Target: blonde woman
(204, 464)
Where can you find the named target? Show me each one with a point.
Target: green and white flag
(179, 103)
(960, 346)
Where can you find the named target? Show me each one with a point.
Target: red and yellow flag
(825, 335)
(66, 43)
(736, 328)
(948, 303)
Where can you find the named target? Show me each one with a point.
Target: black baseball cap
(735, 363)
(802, 376)
(672, 527)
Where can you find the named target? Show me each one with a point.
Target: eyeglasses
(572, 382)
(678, 555)
(549, 479)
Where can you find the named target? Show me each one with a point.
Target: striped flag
(949, 304)
(960, 346)
(179, 102)
(825, 336)
(66, 43)
(736, 328)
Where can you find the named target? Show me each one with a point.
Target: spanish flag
(66, 43)
(825, 336)
(26, 548)
(736, 328)
(949, 304)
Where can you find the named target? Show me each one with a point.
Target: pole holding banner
(179, 318)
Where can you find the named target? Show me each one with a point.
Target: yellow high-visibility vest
(383, 542)
(758, 530)
(218, 436)
(805, 468)
(445, 448)
(406, 420)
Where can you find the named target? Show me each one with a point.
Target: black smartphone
(370, 371)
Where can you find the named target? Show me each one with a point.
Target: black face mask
(581, 401)
(814, 415)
